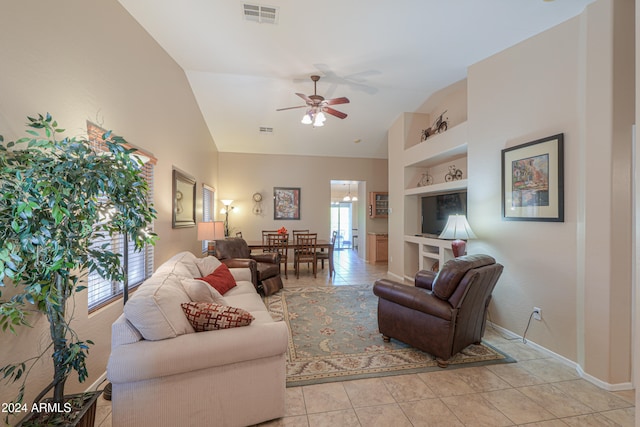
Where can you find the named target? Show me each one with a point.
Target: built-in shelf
(436, 156)
(443, 187)
(438, 148)
(430, 251)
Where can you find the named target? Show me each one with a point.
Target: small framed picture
(533, 181)
(286, 203)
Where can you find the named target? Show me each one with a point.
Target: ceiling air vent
(260, 13)
(266, 130)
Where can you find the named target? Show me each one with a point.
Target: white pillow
(201, 291)
(154, 308)
(207, 265)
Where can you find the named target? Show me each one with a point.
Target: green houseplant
(57, 196)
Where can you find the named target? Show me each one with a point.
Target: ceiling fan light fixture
(319, 119)
(306, 119)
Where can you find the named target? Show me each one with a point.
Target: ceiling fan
(316, 106)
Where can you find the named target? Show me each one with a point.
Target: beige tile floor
(537, 391)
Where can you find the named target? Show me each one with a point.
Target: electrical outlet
(537, 313)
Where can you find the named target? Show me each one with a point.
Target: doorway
(345, 213)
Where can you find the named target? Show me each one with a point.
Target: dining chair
(278, 243)
(265, 240)
(306, 245)
(265, 233)
(296, 232)
(323, 255)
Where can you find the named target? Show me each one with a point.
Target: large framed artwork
(184, 200)
(533, 181)
(286, 203)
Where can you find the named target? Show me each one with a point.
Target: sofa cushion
(207, 265)
(206, 316)
(182, 264)
(201, 291)
(154, 309)
(221, 279)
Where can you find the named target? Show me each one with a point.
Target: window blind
(207, 209)
(140, 264)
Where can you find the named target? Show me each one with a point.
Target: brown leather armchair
(444, 312)
(265, 266)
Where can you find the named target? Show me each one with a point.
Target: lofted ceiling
(386, 57)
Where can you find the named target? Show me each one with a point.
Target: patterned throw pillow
(207, 316)
(221, 279)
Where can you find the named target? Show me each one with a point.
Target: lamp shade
(457, 228)
(210, 230)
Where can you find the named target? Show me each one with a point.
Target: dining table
(321, 244)
(259, 244)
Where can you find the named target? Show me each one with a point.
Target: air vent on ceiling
(260, 13)
(264, 130)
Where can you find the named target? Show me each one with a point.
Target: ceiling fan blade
(305, 97)
(336, 113)
(291, 108)
(334, 101)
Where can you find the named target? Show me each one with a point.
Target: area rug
(333, 336)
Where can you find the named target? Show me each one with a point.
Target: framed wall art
(184, 200)
(286, 203)
(533, 181)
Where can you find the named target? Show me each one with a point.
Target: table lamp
(211, 231)
(457, 228)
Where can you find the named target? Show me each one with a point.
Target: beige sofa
(165, 374)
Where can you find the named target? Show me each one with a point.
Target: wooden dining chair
(323, 255)
(265, 240)
(306, 246)
(265, 233)
(296, 232)
(279, 243)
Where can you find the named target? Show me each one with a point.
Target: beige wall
(83, 61)
(242, 175)
(576, 79)
(569, 79)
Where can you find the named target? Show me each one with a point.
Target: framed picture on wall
(286, 203)
(184, 200)
(533, 181)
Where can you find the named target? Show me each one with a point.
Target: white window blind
(140, 264)
(207, 209)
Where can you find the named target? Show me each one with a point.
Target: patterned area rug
(333, 336)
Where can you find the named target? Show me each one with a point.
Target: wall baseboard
(593, 380)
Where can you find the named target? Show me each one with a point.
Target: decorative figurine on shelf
(425, 180)
(439, 126)
(454, 174)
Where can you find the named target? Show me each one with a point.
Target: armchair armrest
(244, 263)
(424, 279)
(413, 298)
(267, 257)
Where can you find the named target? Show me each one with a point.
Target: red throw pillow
(208, 316)
(221, 279)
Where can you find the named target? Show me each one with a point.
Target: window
(139, 264)
(207, 209)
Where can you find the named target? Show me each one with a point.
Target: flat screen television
(436, 210)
